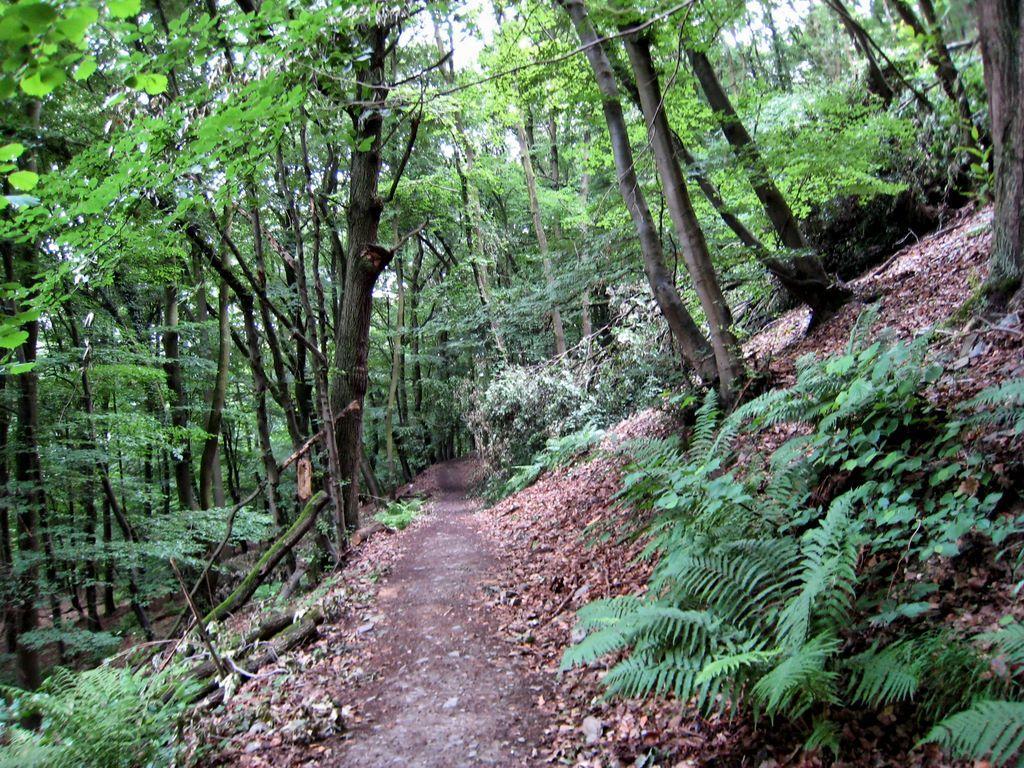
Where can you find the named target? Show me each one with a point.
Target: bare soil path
(448, 691)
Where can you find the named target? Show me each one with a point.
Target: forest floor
(445, 639)
(445, 689)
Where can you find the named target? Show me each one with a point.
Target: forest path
(447, 692)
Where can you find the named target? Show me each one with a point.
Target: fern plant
(758, 597)
(105, 717)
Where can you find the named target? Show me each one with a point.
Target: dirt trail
(447, 692)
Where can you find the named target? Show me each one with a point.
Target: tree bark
(365, 260)
(877, 82)
(542, 239)
(210, 458)
(396, 374)
(696, 256)
(803, 276)
(1001, 30)
(743, 146)
(695, 349)
(179, 400)
(941, 60)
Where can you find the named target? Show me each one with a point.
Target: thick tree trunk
(696, 256)
(210, 460)
(28, 496)
(179, 400)
(28, 477)
(542, 239)
(365, 260)
(696, 351)
(1001, 30)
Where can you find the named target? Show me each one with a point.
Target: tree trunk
(877, 83)
(179, 401)
(29, 499)
(91, 572)
(728, 357)
(1001, 30)
(6, 548)
(542, 238)
(210, 460)
(365, 260)
(695, 349)
(396, 374)
(803, 277)
(940, 58)
(774, 204)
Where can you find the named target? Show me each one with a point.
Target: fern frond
(826, 578)
(800, 679)
(705, 427)
(825, 733)
(889, 675)
(1009, 641)
(989, 729)
(1002, 404)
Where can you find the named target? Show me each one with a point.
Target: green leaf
(123, 9)
(23, 180)
(36, 15)
(42, 81)
(76, 22)
(152, 84)
(11, 151)
(19, 368)
(13, 339)
(86, 68)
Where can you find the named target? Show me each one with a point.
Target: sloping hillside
(567, 541)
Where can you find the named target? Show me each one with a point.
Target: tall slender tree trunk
(179, 400)
(696, 351)
(941, 60)
(877, 82)
(209, 462)
(774, 204)
(697, 173)
(696, 256)
(116, 507)
(396, 372)
(109, 606)
(586, 320)
(803, 276)
(542, 239)
(90, 569)
(1001, 30)
(30, 500)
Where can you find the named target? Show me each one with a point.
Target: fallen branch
(295, 635)
(270, 559)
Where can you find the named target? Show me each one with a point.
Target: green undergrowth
(398, 515)
(807, 585)
(558, 452)
(107, 717)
